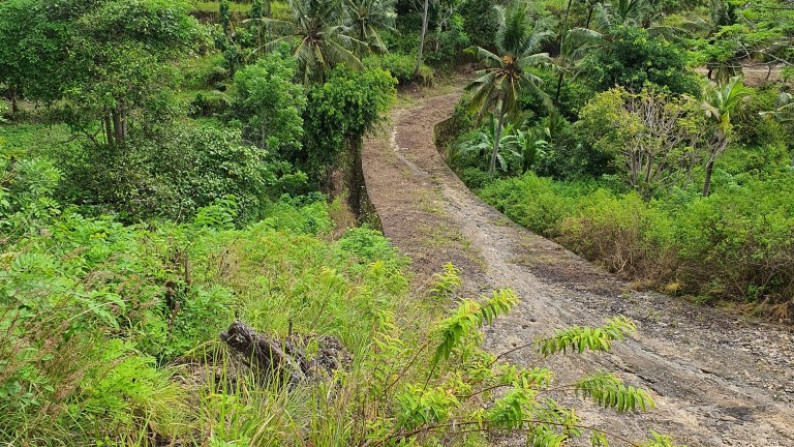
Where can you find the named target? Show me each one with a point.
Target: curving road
(717, 380)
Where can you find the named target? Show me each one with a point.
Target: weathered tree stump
(287, 361)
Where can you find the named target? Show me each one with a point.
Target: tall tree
(318, 36)
(720, 103)
(368, 18)
(116, 62)
(508, 71)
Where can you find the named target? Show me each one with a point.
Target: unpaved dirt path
(717, 381)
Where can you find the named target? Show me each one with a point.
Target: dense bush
(632, 57)
(93, 313)
(173, 177)
(401, 66)
(736, 243)
(337, 115)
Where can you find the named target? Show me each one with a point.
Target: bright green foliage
(118, 71)
(93, 315)
(507, 73)
(339, 113)
(608, 391)
(670, 243)
(651, 138)
(446, 283)
(401, 66)
(271, 103)
(190, 168)
(317, 36)
(469, 316)
(368, 19)
(581, 339)
(459, 396)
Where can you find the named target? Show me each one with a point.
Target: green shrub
(173, 177)
(401, 66)
(735, 244)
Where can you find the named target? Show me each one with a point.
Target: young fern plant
(458, 390)
(446, 283)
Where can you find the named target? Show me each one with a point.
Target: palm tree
(720, 103)
(636, 13)
(369, 16)
(507, 73)
(576, 45)
(318, 37)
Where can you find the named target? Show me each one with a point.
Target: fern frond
(545, 436)
(471, 315)
(501, 302)
(446, 283)
(609, 392)
(511, 411)
(579, 339)
(659, 441)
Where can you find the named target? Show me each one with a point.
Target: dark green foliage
(479, 21)
(173, 177)
(116, 70)
(631, 57)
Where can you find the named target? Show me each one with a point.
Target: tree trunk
(356, 180)
(108, 129)
(589, 16)
(707, 181)
(559, 88)
(118, 134)
(12, 93)
(497, 138)
(565, 23)
(422, 39)
(123, 114)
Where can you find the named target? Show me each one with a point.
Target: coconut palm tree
(318, 35)
(508, 71)
(637, 13)
(720, 103)
(575, 46)
(367, 17)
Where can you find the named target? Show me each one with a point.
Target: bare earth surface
(717, 380)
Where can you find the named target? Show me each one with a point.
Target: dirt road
(716, 380)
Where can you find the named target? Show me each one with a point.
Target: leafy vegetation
(169, 170)
(662, 172)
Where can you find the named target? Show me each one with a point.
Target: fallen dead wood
(287, 361)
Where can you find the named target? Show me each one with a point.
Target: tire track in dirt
(717, 380)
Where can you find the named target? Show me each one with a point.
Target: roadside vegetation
(649, 137)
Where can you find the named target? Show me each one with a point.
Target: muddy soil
(717, 380)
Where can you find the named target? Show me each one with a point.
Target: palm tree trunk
(559, 87)
(710, 164)
(422, 39)
(497, 138)
(118, 135)
(589, 16)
